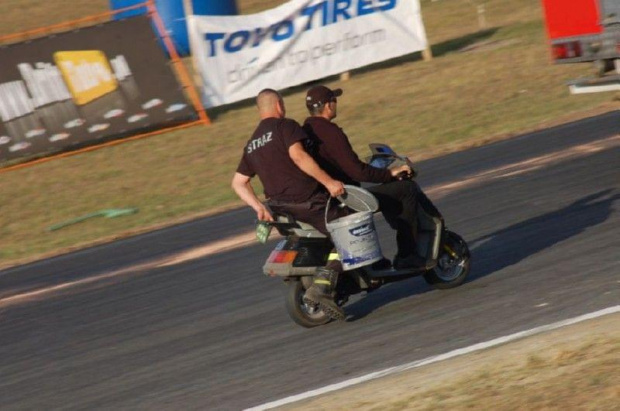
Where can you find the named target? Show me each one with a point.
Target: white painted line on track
(434, 359)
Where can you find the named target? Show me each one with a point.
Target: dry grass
(585, 377)
(574, 368)
(23, 15)
(502, 86)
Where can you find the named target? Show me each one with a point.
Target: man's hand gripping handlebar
(401, 172)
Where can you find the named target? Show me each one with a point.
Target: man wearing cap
(290, 178)
(331, 148)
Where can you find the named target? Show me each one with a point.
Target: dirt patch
(575, 367)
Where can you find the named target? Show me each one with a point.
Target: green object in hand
(263, 229)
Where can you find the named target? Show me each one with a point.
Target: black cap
(318, 95)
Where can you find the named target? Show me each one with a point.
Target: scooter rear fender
(297, 256)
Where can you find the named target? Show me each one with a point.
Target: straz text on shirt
(259, 142)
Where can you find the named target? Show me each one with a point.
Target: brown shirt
(266, 155)
(332, 150)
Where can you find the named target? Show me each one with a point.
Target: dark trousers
(312, 211)
(399, 201)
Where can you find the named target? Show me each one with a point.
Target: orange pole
(178, 64)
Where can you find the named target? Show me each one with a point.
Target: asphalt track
(540, 212)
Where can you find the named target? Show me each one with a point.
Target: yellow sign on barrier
(87, 74)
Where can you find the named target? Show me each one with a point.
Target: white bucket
(356, 239)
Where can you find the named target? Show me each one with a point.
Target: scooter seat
(299, 228)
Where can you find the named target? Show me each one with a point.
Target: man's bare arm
(242, 186)
(307, 164)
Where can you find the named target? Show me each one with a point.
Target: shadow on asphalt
(506, 247)
(513, 244)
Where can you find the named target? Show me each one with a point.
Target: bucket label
(348, 262)
(361, 230)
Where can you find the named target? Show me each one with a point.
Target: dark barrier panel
(86, 87)
(173, 12)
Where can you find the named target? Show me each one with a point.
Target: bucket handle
(329, 201)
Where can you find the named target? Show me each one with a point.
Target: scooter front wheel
(303, 314)
(452, 265)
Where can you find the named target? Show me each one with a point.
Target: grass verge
(574, 368)
(482, 84)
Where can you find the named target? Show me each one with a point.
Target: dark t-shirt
(332, 150)
(266, 155)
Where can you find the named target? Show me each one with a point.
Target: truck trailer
(584, 31)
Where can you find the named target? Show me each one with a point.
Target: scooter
(304, 249)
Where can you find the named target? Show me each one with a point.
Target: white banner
(297, 42)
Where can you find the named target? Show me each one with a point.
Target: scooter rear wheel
(452, 265)
(300, 312)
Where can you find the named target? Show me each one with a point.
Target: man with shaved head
(293, 183)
